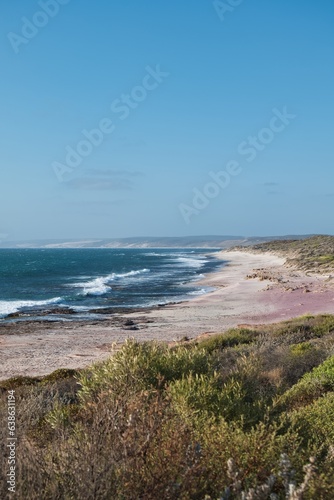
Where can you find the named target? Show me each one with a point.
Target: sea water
(86, 282)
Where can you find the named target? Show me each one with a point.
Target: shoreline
(250, 288)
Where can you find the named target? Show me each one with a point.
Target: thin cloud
(96, 179)
(113, 173)
(270, 184)
(89, 183)
(95, 203)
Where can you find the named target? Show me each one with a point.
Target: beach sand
(32, 348)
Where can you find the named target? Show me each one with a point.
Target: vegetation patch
(311, 254)
(233, 337)
(240, 415)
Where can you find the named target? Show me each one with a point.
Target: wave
(182, 258)
(102, 285)
(159, 302)
(13, 306)
(192, 262)
(98, 286)
(131, 273)
(202, 291)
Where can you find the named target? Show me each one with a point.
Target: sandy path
(38, 348)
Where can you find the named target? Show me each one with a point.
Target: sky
(133, 118)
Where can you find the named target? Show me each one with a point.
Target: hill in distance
(223, 242)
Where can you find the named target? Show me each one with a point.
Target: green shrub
(306, 327)
(60, 375)
(251, 400)
(255, 452)
(16, 382)
(314, 422)
(242, 396)
(311, 386)
(231, 338)
(140, 366)
(197, 395)
(301, 349)
(300, 359)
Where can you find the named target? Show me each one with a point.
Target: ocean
(72, 284)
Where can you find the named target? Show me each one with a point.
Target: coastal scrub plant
(143, 366)
(310, 387)
(314, 422)
(234, 337)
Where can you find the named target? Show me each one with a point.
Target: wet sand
(249, 289)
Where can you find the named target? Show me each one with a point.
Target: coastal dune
(249, 289)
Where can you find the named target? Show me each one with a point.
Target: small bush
(311, 386)
(138, 367)
(60, 375)
(231, 338)
(16, 382)
(197, 396)
(301, 349)
(305, 328)
(314, 422)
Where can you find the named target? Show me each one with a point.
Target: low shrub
(231, 338)
(314, 422)
(138, 367)
(311, 386)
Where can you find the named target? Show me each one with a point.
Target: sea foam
(191, 262)
(102, 284)
(13, 306)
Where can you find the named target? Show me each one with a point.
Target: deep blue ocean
(86, 282)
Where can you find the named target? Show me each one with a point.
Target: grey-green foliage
(140, 366)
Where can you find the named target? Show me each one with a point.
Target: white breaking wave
(102, 285)
(192, 262)
(99, 286)
(182, 258)
(131, 273)
(202, 291)
(13, 306)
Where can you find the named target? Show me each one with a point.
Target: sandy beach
(249, 289)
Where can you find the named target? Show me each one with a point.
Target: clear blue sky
(224, 71)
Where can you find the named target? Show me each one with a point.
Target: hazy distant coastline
(215, 241)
